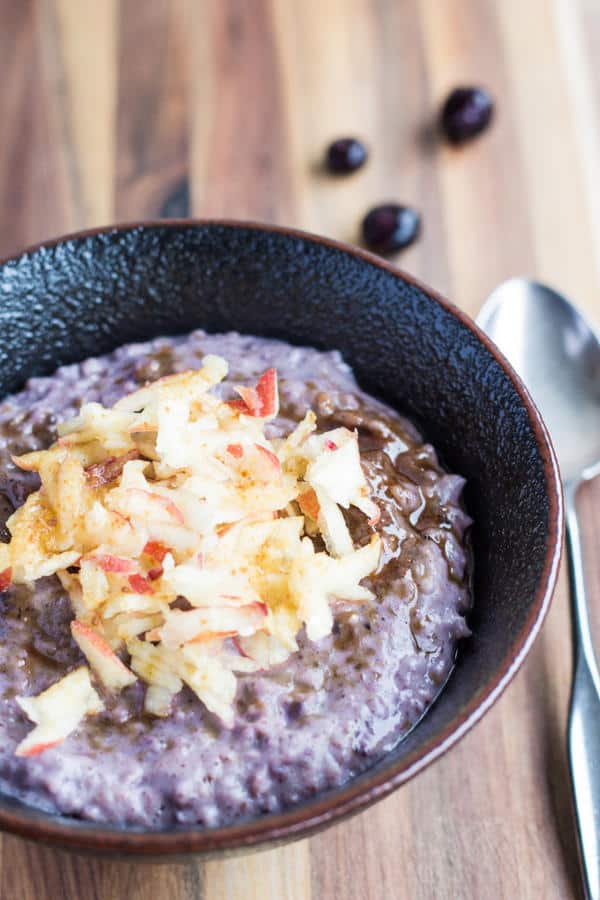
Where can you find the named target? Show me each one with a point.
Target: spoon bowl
(557, 354)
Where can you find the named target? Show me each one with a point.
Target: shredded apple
(174, 493)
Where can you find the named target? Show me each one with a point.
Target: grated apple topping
(176, 495)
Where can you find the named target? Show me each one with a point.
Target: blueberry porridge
(230, 580)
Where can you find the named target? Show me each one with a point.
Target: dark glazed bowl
(88, 293)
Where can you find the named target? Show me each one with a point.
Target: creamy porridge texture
(308, 724)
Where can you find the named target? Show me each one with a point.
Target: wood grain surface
(131, 108)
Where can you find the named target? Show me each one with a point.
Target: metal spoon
(557, 354)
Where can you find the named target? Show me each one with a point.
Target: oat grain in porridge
(288, 726)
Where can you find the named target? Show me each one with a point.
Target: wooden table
(123, 110)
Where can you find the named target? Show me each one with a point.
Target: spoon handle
(583, 733)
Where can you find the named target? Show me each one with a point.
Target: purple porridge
(326, 714)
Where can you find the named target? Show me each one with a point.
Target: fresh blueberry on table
(467, 111)
(390, 227)
(345, 155)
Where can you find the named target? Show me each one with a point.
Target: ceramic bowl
(88, 293)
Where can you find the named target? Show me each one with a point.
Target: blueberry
(390, 227)
(346, 155)
(466, 112)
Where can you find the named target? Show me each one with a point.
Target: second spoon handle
(583, 733)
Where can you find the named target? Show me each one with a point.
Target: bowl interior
(89, 294)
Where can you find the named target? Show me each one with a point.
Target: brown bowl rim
(325, 809)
